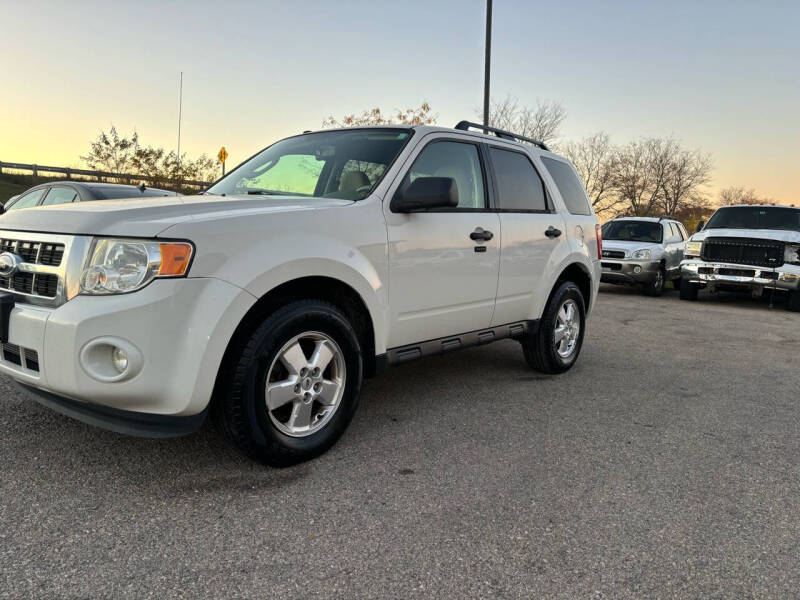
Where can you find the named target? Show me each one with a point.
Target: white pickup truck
(319, 261)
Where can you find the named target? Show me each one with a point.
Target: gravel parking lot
(666, 464)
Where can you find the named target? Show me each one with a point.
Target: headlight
(641, 254)
(119, 266)
(693, 248)
(791, 254)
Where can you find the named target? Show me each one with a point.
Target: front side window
(518, 184)
(28, 200)
(344, 164)
(457, 160)
(633, 231)
(59, 195)
(755, 217)
(569, 186)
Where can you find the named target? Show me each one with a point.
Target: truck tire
(688, 290)
(291, 388)
(656, 287)
(794, 301)
(555, 346)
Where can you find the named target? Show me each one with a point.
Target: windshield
(755, 217)
(633, 231)
(331, 164)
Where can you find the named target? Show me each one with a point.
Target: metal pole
(180, 114)
(488, 63)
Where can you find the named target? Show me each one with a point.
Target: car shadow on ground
(727, 299)
(48, 445)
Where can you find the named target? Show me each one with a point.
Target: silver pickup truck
(742, 248)
(645, 251)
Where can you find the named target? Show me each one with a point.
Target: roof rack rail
(506, 135)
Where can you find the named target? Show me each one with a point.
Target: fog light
(637, 269)
(120, 359)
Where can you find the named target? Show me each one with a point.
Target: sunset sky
(723, 76)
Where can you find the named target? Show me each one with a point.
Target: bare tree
(593, 157)
(421, 115)
(540, 123)
(638, 175)
(740, 195)
(687, 171)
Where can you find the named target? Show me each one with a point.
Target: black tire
(239, 410)
(656, 287)
(793, 303)
(688, 290)
(539, 348)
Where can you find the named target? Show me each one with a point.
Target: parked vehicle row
(741, 248)
(323, 259)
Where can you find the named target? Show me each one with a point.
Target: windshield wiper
(263, 193)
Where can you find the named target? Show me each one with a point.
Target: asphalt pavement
(666, 464)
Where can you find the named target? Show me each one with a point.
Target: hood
(147, 217)
(628, 246)
(761, 234)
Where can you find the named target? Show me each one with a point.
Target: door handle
(552, 232)
(481, 235)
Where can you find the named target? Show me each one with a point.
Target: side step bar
(402, 354)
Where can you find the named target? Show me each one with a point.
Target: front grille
(32, 284)
(613, 254)
(35, 253)
(24, 358)
(738, 272)
(743, 251)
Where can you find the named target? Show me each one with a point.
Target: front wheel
(688, 290)
(793, 303)
(294, 386)
(555, 346)
(656, 287)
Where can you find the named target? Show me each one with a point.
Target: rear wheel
(555, 347)
(688, 290)
(294, 386)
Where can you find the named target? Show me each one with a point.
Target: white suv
(319, 261)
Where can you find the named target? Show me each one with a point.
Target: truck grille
(743, 251)
(36, 253)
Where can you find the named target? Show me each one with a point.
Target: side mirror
(700, 224)
(425, 193)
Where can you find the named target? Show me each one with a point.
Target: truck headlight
(119, 266)
(693, 249)
(642, 254)
(791, 254)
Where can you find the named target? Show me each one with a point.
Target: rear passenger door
(531, 231)
(673, 249)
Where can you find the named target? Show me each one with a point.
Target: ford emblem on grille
(9, 263)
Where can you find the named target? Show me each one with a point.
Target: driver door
(441, 281)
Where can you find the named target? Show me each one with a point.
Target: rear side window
(569, 186)
(518, 184)
(59, 195)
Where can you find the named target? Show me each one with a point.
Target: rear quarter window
(569, 186)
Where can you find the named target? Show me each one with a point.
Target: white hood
(148, 217)
(762, 234)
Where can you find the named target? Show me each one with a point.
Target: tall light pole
(488, 63)
(180, 111)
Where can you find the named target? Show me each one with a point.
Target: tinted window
(59, 195)
(28, 200)
(633, 231)
(457, 160)
(518, 184)
(569, 186)
(755, 217)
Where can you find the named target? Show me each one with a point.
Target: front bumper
(629, 271)
(712, 274)
(178, 328)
